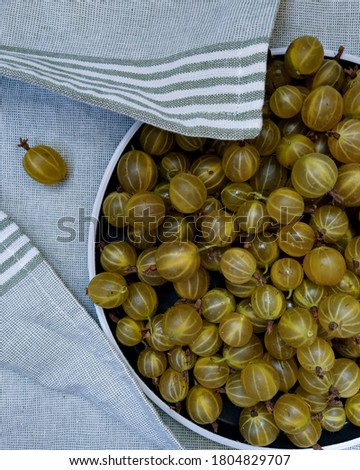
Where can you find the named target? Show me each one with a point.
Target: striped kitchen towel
(195, 67)
(48, 337)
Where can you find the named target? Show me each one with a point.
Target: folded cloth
(152, 60)
(193, 67)
(58, 344)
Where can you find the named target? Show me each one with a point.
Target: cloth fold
(193, 67)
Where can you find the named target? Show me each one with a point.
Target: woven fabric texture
(64, 386)
(192, 67)
(334, 22)
(60, 346)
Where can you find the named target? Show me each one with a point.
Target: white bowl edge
(104, 324)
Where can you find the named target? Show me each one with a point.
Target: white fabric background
(35, 416)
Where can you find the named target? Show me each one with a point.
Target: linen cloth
(70, 353)
(50, 398)
(194, 67)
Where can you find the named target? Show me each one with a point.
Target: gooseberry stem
(24, 144)
(269, 326)
(185, 374)
(269, 406)
(339, 53)
(101, 245)
(334, 134)
(130, 269)
(146, 334)
(334, 393)
(351, 71)
(317, 416)
(197, 305)
(248, 240)
(311, 209)
(336, 196)
(314, 312)
(177, 407)
(261, 280)
(215, 426)
(317, 446)
(113, 317)
(150, 268)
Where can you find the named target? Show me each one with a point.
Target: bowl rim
(96, 210)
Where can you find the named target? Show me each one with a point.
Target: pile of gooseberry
(229, 270)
